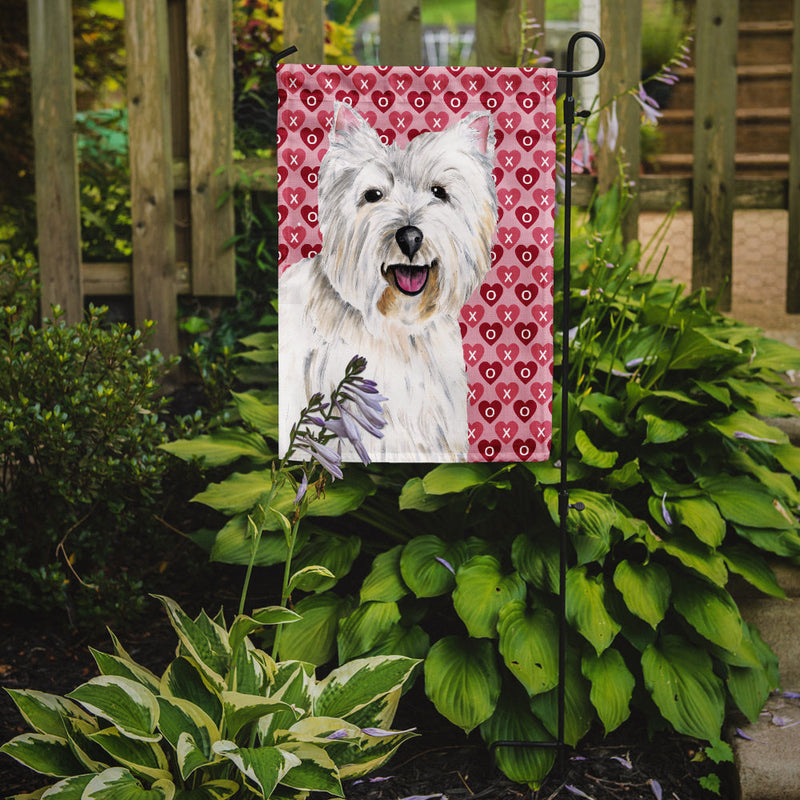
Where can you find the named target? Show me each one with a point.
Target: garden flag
(416, 214)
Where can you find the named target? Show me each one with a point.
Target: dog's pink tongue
(411, 279)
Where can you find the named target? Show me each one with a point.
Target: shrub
(79, 429)
(683, 484)
(223, 720)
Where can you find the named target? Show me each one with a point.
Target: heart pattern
(506, 326)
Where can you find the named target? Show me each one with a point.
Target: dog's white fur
(348, 300)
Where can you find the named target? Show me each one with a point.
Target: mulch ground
(44, 654)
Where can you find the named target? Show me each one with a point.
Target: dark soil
(44, 654)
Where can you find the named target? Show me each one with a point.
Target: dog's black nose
(409, 240)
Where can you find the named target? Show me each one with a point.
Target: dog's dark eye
(439, 192)
(373, 195)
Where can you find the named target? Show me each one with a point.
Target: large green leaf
(428, 565)
(780, 542)
(690, 552)
(263, 766)
(682, 683)
(512, 721)
(746, 561)
(126, 704)
(365, 627)
(385, 582)
(663, 431)
(335, 553)
(447, 478)
(578, 710)
(709, 609)
(741, 425)
(590, 525)
(481, 591)
(745, 502)
(612, 686)
(591, 455)
(44, 753)
(223, 446)
(462, 680)
(537, 560)
(696, 349)
(313, 638)
(261, 416)
(701, 517)
(529, 645)
(608, 410)
(766, 401)
(646, 589)
(586, 608)
(414, 497)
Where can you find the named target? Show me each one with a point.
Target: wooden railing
(181, 133)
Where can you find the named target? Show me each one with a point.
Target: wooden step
(763, 42)
(758, 130)
(754, 10)
(758, 85)
(763, 165)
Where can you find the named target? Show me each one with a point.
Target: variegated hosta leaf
(244, 625)
(68, 789)
(78, 733)
(371, 754)
(242, 709)
(360, 682)
(179, 718)
(212, 790)
(45, 712)
(44, 753)
(385, 581)
(646, 589)
(612, 686)
(252, 670)
(481, 591)
(145, 759)
(117, 783)
(316, 771)
(294, 683)
(529, 645)
(183, 679)
(513, 721)
(586, 608)
(462, 680)
(204, 641)
(683, 685)
(262, 766)
(126, 704)
(125, 668)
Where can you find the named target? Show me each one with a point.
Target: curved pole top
(570, 72)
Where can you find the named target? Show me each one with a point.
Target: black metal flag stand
(564, 506)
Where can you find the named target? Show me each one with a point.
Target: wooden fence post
(152, 201)
(714, 188)
(400, 32)
(498, 31)
(56, 161)
(621, 28)
(304, 27)
(793, 266)
(210, 54)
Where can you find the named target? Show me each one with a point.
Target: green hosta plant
(224, 720)
(684, 482)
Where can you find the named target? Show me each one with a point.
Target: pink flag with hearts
(416, 223)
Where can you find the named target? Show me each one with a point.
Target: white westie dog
(406, 239)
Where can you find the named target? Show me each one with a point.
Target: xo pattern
(506, 327)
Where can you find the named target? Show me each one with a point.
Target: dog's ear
(479, 129)
(347, 119)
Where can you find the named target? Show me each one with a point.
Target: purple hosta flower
(742, 735)
(376, 779)
(577, 792)
(649, 106)
(751, 437)
(791, 695)
(664, 512)
(364, 393)
(301, 490)
(342, 733)
(346, 429)
(445, 563)
(582, 154)
(328, 458)
(608, 132)
(655, 787)
(624, 761)
(380, 732)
